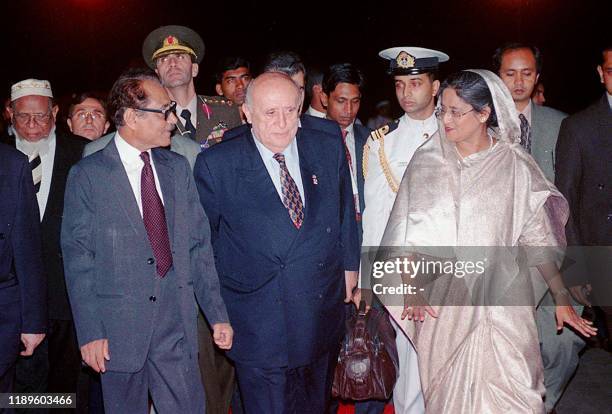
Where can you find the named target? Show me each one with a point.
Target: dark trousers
(170, 374)
(281, 390)
(54, 366)
(217, 371)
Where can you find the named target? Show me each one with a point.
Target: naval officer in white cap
(386, 155)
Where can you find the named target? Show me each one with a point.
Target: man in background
(87, 116)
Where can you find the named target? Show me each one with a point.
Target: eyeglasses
(440, 112)
(82, 115)
(24, 118)
(166, 110)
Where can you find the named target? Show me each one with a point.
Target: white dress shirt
(609, 100)
(292, 161)
(130, 158)
(46, 149)
(192, 106)
(314, 112)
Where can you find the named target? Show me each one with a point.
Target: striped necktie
(291, 193)
(525, 133)
(36, 166)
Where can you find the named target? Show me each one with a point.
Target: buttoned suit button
(600, 186)
(609, 217)
(150, 260)
(152, 298)
(282, 266)
(321, 265)
(328, 229)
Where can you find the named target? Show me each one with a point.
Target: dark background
(85, 44)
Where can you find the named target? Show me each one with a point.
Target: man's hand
(581, 293)
(350, 283)
(223, 334)
(95, 353)
(30, 341)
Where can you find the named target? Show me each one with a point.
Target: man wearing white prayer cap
(386, 155)
(55, 364)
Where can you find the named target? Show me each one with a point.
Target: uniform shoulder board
(384, 130)
(215, 100)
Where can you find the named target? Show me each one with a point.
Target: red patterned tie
(291, 194)
(154, 218)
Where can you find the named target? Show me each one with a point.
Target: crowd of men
(110, 243)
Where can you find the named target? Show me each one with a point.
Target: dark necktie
(186, 115)
(36, 166)
(291, 194)
(346, 149)
(525, 133)
(154, 218)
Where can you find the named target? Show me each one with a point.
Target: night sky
(85, 44)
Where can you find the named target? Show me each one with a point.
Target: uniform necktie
(186, 115)
(36, 166)
(525, 133)
(354, 185)
(291, 194)
(154, 218)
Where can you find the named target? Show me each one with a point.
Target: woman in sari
(473, 191)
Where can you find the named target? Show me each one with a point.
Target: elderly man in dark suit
(23, 288)
(280, 204)
(136, 249)
(584, 176)
(56, 363)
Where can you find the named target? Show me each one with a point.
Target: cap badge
(405, 60)
(170, 40)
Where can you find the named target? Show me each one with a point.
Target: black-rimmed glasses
(165, 111)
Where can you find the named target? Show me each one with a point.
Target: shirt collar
(527, 111)
(191, 106)
(609, 99)
(290, 152)
(129, 155)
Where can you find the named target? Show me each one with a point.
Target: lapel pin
(314, 180)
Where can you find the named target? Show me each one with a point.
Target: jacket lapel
(124, 194)
(256, 181)
(309, 169)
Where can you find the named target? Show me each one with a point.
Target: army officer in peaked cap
(175, 52)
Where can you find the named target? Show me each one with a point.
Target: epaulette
(384, 130)
(215, 100)
(379, 135)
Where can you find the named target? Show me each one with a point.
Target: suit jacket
(215, 116)
(308, 122)
(109, 268)
(68, 150)
(545, 124)
(178, 143)
(22, 280)
(283, 287)
(584, 174)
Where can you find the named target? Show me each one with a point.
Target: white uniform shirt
(399, 147)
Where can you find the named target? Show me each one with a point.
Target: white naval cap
(408, 60)
(31, 87)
